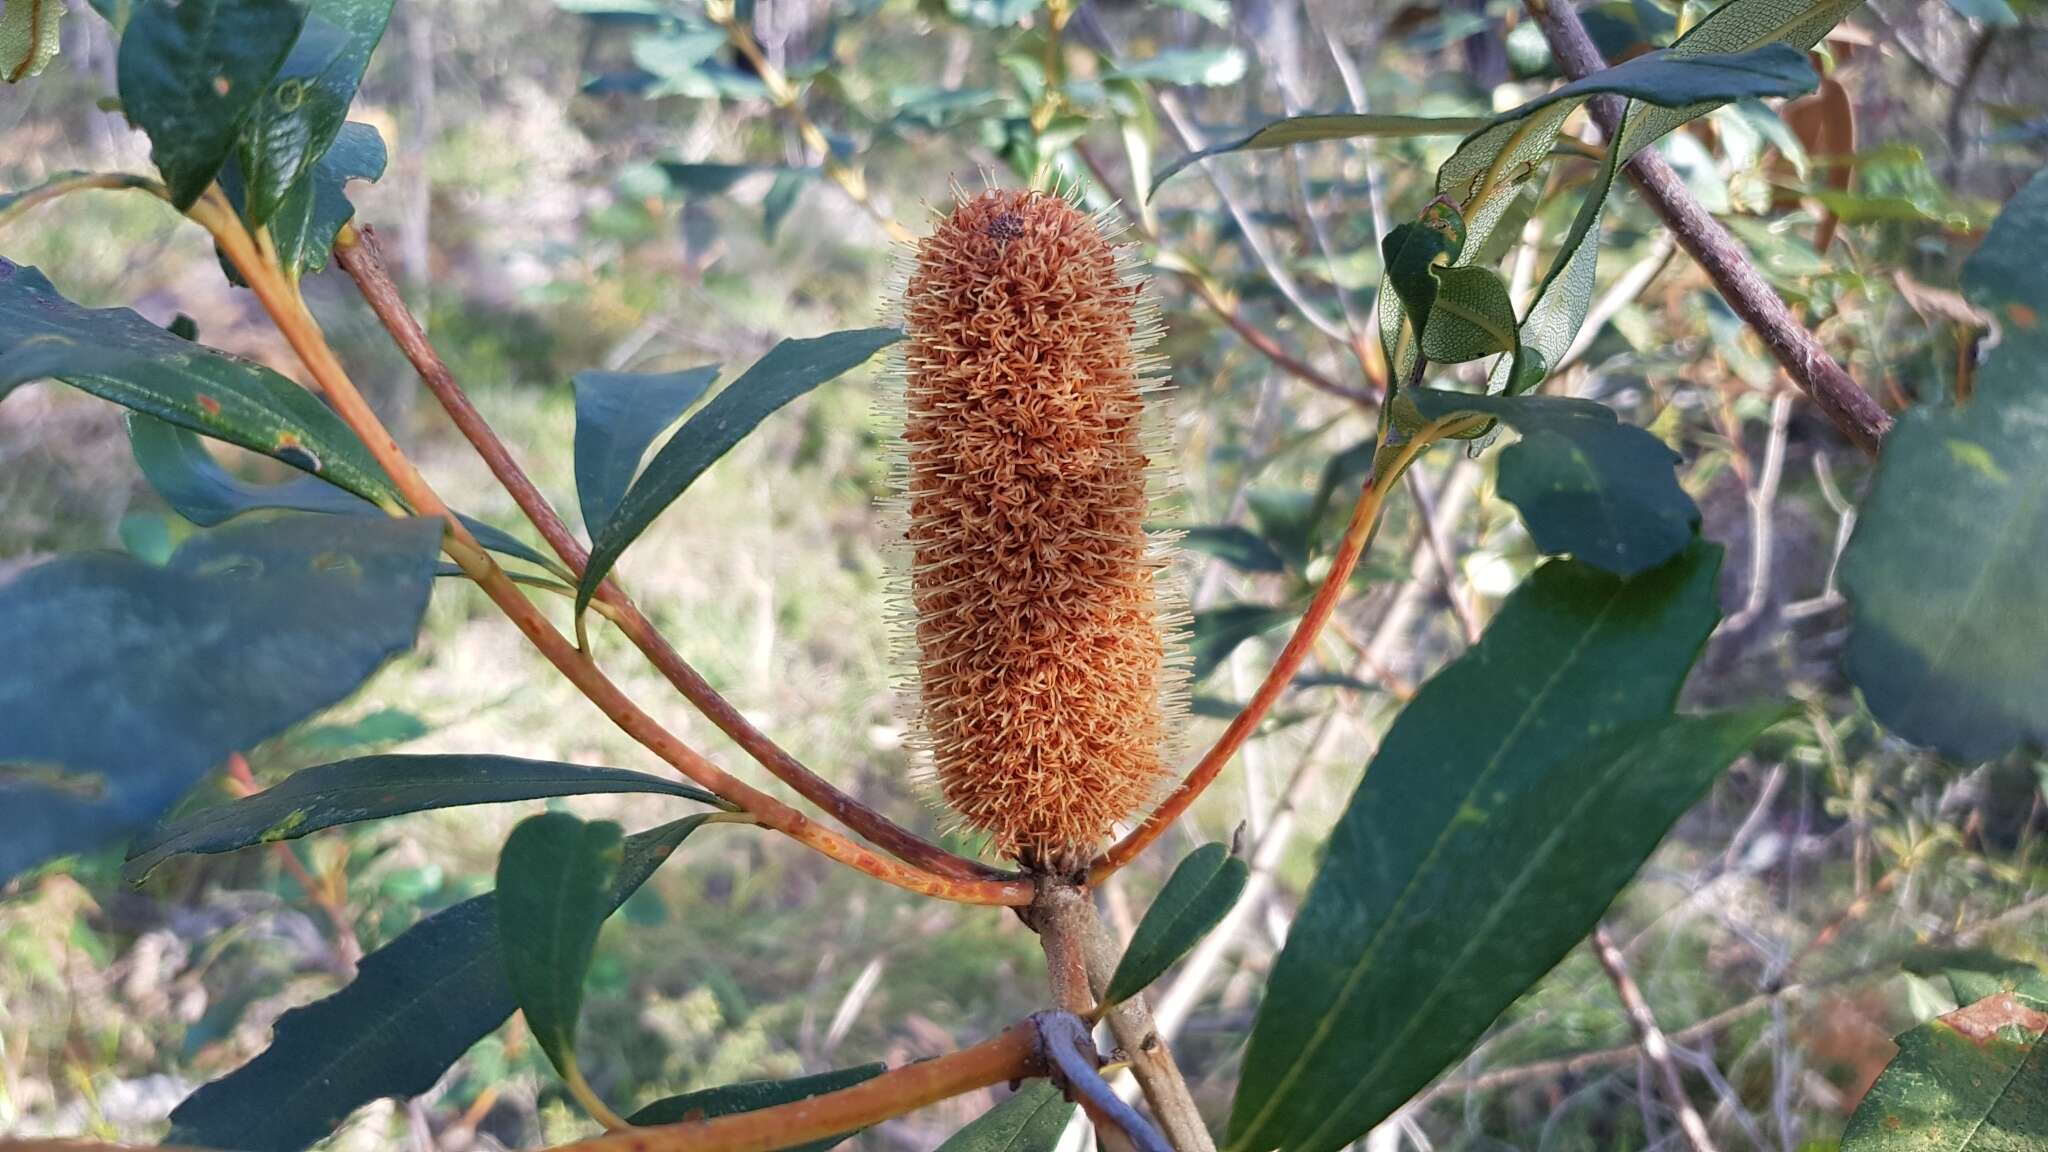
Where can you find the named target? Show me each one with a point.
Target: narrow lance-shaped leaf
(1513, 797)
(789, 370)
(754, 1095)
(1586, 484)
(1196, 898)
(190, 73)
(1333, 126)
(195, 485)
(1241, 548)
(1033, 1120)
(377, 787)
(132, 682)
(415, 1006)
(116, 355)
(1975, 1080)
(553, 874)
(1218, 631)
(618, 414)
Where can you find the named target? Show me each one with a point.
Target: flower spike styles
(1047, 666)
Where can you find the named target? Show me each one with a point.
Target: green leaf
(1472, 316)
(1513, 797)
(553, 874)
(377, 787)
(384, 726)
(189, 74)
(303, 111)
(117, 355)
(315, 208)
(1218, 631)
(144, 679)
(28, 37)
(1196, 898)
(415, 1006)
(1412, 254)
(1310, 129)
(1030, 1121)
(1240, 548)
(618, 414)
(754, 1095)
(1586, 484)
(195, 485)
(789, 370)
(1209, 67)
(1975, 1080)
(1949, 644)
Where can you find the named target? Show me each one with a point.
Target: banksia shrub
(1043, 655)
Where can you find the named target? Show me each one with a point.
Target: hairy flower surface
(1041, 653)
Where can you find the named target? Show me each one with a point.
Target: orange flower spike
(1046, 665)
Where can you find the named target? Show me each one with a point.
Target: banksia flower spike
(1046, 666)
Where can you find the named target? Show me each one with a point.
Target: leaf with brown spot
(1975, 1080)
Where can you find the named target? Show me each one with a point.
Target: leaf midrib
(1322, 1032)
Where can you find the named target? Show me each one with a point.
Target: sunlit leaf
(1196, 898)
(28, 37)
(307, 103)
(1030, 1121)
(1511, 800)
(1974, 1080)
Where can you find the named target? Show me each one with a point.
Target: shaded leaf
(1950, 639)
(1030, 1121)
(1343, 126)
(28, 37)
(1241, 548)
(302, 113)
(1196, 898)
(116, 355)
(1510, 801)
(618, 414)
(754, 1095)
(1472, 316)
(1586, 484)
(1218, 631)
(376, 787)
(198, 488)
(144, 679)
(553, 874)
(789, 370)
(190, 73)
(415, 1006)
(1975, 1080)
(315, 208)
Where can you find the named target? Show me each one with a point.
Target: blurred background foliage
(606, 183)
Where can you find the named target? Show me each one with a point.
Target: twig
(288, 311)
(359, 254)
(1959, 103)
(1078, 945)
(1365, 518)
(1818, 374)
(1763, 502)
(1652, 1040)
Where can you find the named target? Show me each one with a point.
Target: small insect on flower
(1048, 670)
